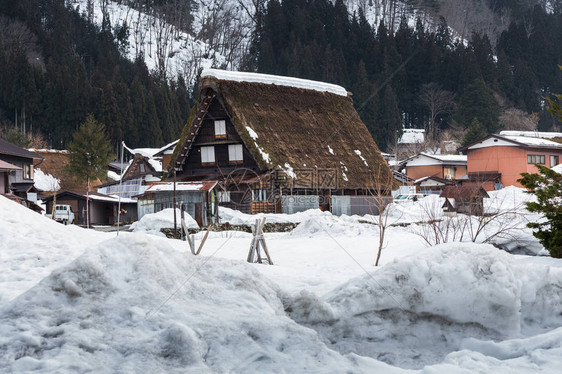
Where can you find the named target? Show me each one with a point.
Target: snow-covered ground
(73, 300)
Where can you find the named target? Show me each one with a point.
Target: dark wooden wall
(193, 169)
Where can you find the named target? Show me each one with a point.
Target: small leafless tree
(516, 119)
(502, 220)
(380, 192)
(436, 228)
(15, 35)
(438, 101)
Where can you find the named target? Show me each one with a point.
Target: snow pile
(136, 305)
(441, 295)
(425, 209)
(306, 84)
(32, 245)
(334, 226)
(152, 223)
(45, 182)
(508, 198)
(430, 283)
(235, 217)
(558, 168)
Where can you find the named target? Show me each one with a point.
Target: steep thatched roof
(291, 128)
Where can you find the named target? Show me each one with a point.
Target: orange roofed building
(499, 160)
(441, 166)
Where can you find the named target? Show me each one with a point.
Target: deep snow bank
(32, 245)
(442, 295)
(135, 304)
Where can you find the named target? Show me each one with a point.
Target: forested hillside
(392, 72)
(478, 65)
(56, 68)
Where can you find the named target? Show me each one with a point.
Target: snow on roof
(531, 134)
(157, 165)
(558, 168)
(306, 84)
(252, 133)
(110, 198)
(167, 147)
(537, 142)
(358, 153)
(45, 182)
(182, 186)
(146, 152)
(410, 136)
(113, 175)
(44, 150)
(447, 158)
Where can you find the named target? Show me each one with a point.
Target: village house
(278, 144)
(498, 160)
(465, 199)
(17, 173)
(143, 168)
(432, 185)
(411, 142)
(446, 167)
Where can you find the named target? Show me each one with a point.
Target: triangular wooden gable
(201, 133)
(136, 167)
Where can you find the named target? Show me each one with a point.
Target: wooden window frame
(554, 157)
(218, 124)
(234, 147)
(205, 150)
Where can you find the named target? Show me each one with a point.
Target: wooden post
(191, 240)
(183, 226)
(258, 241)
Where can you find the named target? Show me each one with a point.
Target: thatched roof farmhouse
(303, 137)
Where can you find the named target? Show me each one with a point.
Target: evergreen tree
(554, 107)
(389, 128)
(90, 151)
(547, 187)
(475, 132)
(366, 101)
(478, 102)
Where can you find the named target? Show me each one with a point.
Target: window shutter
(220, 128)
(207, 154)
(235, 152)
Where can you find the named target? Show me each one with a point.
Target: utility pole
(175, 224)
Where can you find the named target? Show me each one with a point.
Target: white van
(64, 214)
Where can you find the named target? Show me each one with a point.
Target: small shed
(465, 199)
(103, 209)
(196, 198)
